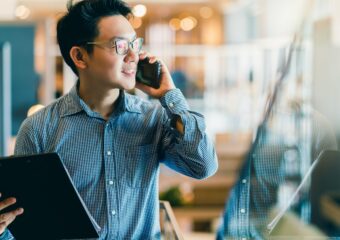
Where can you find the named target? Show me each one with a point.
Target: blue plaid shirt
(114, 164)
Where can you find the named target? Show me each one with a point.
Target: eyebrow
(123, 38)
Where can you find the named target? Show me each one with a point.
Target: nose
(131, 56)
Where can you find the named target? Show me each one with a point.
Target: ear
(79, 57)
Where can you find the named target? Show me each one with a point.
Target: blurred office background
(227, 57)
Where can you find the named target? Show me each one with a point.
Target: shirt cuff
(6, 235)
(174, 102)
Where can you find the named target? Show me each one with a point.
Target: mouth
(129, 71)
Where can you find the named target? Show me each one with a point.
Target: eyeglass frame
(112, 44)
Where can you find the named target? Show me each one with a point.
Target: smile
(130, 71)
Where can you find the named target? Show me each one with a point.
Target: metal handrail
(171, 228)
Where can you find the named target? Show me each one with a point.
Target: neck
(99, 98)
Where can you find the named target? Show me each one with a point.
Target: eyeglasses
(122, 45)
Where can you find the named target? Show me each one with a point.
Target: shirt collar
(130, 104)
(74, 104)
(71, 104)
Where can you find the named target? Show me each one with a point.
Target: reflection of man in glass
(270, 173)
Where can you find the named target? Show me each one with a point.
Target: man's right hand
(7, 218)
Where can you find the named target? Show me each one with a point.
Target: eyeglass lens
(122, 45)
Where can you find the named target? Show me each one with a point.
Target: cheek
(115, 70)
(114, 65)
(109, 69)
(108, 63)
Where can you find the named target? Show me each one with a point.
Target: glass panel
(287, 185)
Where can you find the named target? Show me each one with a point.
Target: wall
(24, 80)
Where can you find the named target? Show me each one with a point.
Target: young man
(112, 142)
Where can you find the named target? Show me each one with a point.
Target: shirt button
(109, 153)
(243, 210)
(244, 181)
(171, 105)
(111, 182)
(113, 212)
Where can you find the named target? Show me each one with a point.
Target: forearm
(187, 148)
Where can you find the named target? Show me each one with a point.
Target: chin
(129, 84)
(129, 88)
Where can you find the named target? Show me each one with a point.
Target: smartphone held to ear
(149, 73)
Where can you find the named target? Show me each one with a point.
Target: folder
(53, 209)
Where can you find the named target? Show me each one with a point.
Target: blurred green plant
(174, 196)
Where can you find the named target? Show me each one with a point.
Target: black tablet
(53, 209)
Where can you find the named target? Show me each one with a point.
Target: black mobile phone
(149, 73)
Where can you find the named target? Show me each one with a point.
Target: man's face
(104, 65)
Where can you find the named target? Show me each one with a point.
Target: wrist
(4, 234)
(164, 92)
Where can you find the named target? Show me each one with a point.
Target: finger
(9, 219)
(2, 227)
(164, 68)
(13, 216)
(7, 202)
(10, 216)
(18, 211)
(153, 59)
(5, 217)
(143, 55)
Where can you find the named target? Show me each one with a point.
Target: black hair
(80, 24)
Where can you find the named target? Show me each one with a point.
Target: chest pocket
(142, 165)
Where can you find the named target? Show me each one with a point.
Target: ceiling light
(206, 12)
(139, 10)
(22, 12)
(188, 23)
(175, 24)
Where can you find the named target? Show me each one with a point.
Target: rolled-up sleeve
(6, 235)
(191, 153)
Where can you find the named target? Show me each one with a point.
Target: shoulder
(45, 115)
(137, 104)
